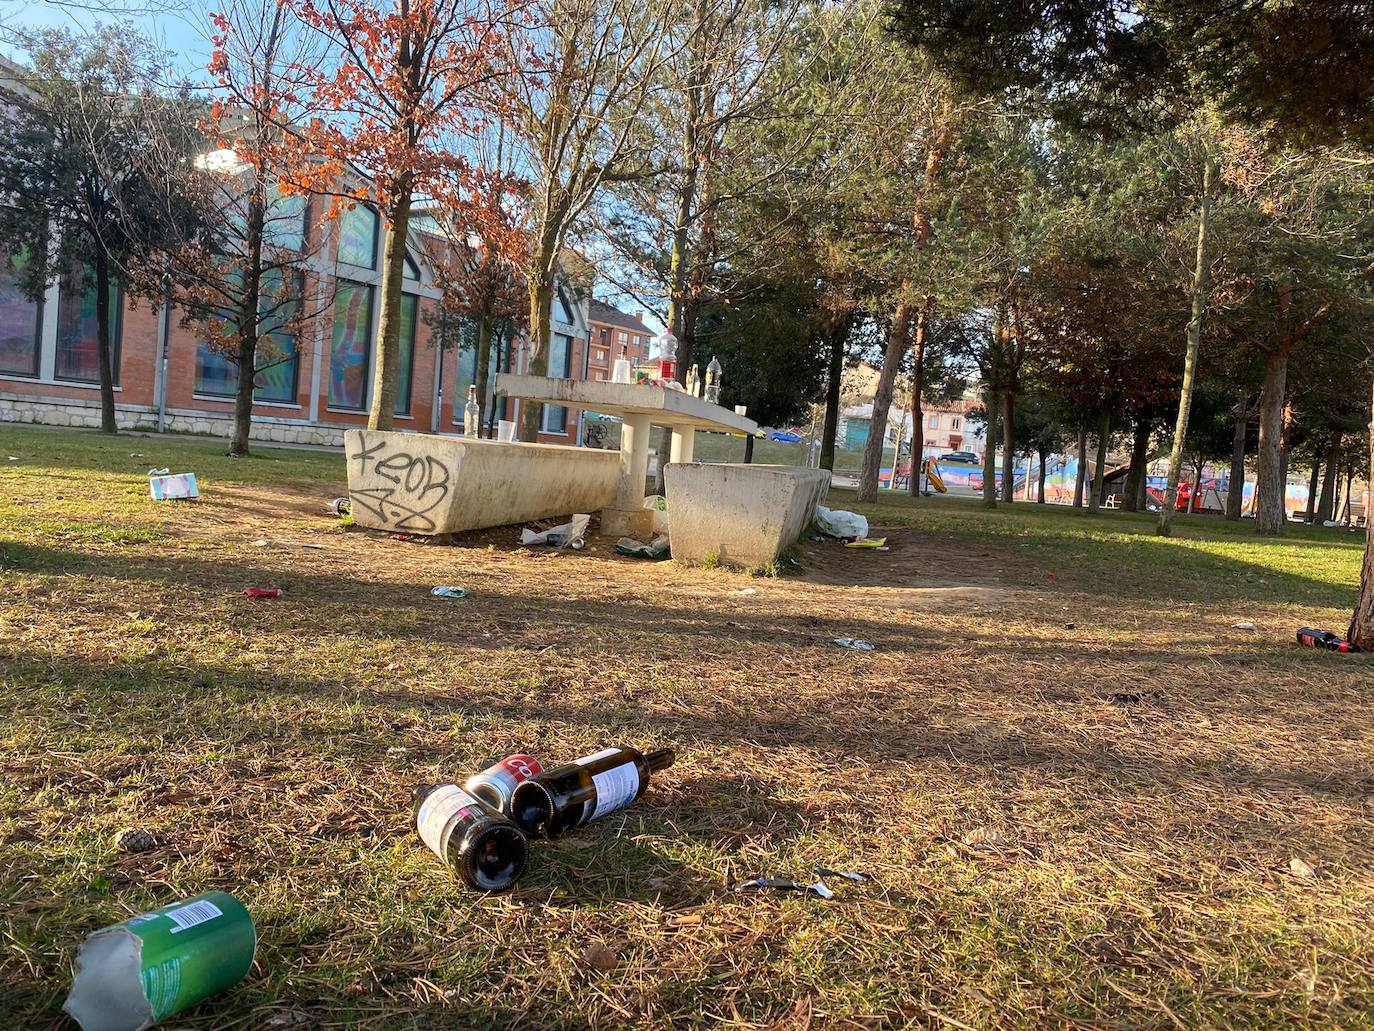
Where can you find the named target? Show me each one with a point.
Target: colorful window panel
(358, 237)
(350, 346)
(20, 319)
(406, 363)
(78, 350)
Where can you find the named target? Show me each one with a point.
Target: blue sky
(181, 28)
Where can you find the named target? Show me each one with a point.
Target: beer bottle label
(440, 812)
(615, 788)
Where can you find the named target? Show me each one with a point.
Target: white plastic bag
(658, 504)
(569, 535)
(836, 523)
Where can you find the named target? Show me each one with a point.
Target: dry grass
(1086, 827)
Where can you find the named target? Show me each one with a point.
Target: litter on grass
(1244, 626)
(818, 888)
(572, 534)
(858, 644)
(848, 875)
(837, 523)
(341, 507)
(133, 974)
(263, 592)
(658, 548)
(867, 542)
(181, 487)
(448, 591)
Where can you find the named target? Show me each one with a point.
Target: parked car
(958, 456)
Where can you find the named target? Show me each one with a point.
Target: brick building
(167, 376)
(612, 330)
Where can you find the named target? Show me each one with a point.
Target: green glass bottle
(485, 848)
(586, 789)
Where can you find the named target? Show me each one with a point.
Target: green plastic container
(129, 976)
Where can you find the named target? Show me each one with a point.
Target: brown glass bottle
(569, 796)
(485, 848)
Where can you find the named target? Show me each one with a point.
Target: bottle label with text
(440, 812)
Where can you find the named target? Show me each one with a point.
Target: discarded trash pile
(133, 974)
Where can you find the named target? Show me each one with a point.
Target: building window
(412, 270)
(285, 219)
(624, 337)
(350, 346)
(358, 229)
(277, 358)
(20, 323)
(565, 309)
(955, 422)
(933, 422)
(560, 364)
(410, 304)
(78, 351)
(601, 356)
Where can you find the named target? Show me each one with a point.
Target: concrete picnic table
(639, 407)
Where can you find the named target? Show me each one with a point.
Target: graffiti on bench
(418, 484)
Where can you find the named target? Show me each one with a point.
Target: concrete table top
(664, 407)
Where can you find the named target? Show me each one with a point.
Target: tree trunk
(1361, 629)
(1309, 514)
(1235, 484)
(1344, 517)
(1008, 447)
(1040, 486)
(1104, 437)
(1327, 505)
(387, 367)
(834, 374)
(1269, 480)
(882, 400)
(1195, 499)
(1081, 477)
(1140, 460)
(247, 317)
(541, 297)
(103, 344)
(918, 433)
(482, 371)
(1185, 397)
(990, 452)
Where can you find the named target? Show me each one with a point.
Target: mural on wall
(348, 352)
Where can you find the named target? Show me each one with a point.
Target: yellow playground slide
(933, 476)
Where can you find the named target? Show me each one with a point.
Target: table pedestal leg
(683, 444)
(629, 517)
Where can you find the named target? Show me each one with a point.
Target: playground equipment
(934, 478)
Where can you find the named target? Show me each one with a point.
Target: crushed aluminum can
(133, 974)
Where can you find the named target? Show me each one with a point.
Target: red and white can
(496, 784)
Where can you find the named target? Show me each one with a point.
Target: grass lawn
(1080, 790)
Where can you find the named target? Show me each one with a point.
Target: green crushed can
(129, 976)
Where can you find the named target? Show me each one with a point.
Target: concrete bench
(743, 515)
(426, 484)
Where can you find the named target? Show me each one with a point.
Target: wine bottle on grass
(485, 848)
(586, 789)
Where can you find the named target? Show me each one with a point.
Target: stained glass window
(19, 323)
(358, 237)
(406, 364)
(277, 357)
(78, 354)
(350, 346)
(285, 224)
